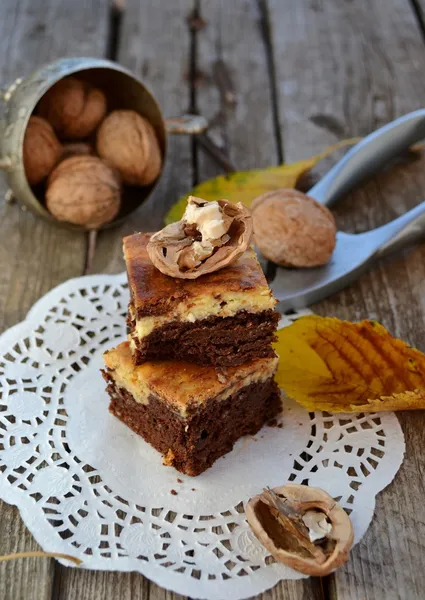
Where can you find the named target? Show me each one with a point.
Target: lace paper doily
(87, 486)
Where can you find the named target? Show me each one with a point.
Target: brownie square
(191, 414)
(225, 318)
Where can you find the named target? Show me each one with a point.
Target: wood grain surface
(155, 46)
(276, 79)
(35, 256)
(345, 68)
(146, 47)
(242, 124)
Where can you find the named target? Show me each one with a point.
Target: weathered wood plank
(73, 584)
(155, 46)
(251, 145)
(359, 577)
(235, 93)
(234, 90)
(34, 255)
(341, 75)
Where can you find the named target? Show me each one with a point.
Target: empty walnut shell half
(170, 248)
(286, 520)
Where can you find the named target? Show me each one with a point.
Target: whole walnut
(41, 150)
(292, 229)
(74, 108)
(85, 191)
(128, 142)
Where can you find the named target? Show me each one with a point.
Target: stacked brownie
(197, 371)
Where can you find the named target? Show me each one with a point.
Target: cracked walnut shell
(210, 236)
(74, 108)
(128, 142)
(41, 150)
(85, 191)
(302, 527)
(293, 230)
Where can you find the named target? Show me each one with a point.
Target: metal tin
(122, 89)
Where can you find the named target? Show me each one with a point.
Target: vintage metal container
(123, 90)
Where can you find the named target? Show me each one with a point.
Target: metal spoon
(353, 254)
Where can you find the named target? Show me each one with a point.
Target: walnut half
(302, 527)
(210, 236)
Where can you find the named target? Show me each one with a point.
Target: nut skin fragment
(192, 256)
(85, 191)
(293, 230)
(178, 255)
(128, 142)
(303, 499)
(74, 108)
(41, 150)
(76, 149)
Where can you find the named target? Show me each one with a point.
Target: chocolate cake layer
(182, 385)
(154, 294)
(194, 443)
(219, 341)
(192, 414)
(166, 312)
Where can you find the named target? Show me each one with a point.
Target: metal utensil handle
(369, 156)
(401, 232)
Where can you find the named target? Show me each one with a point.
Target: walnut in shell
(128, 142)
(302, 527)
(41, 150)
(74, 108)
(210, 236)
(85, 191)
(293, 230)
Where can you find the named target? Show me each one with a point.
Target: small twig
(40, 554)
(216, 153)
(224, 82)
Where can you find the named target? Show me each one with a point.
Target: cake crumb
(173, 492)
(179, 480)
(168, 458)
(193, 489)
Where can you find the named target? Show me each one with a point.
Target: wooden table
(302, 74)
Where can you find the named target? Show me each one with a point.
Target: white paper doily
(87, 486)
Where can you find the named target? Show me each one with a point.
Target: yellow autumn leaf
(338, 366)
(244, 186)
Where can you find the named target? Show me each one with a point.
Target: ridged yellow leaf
(244, 186)
(338, 366)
